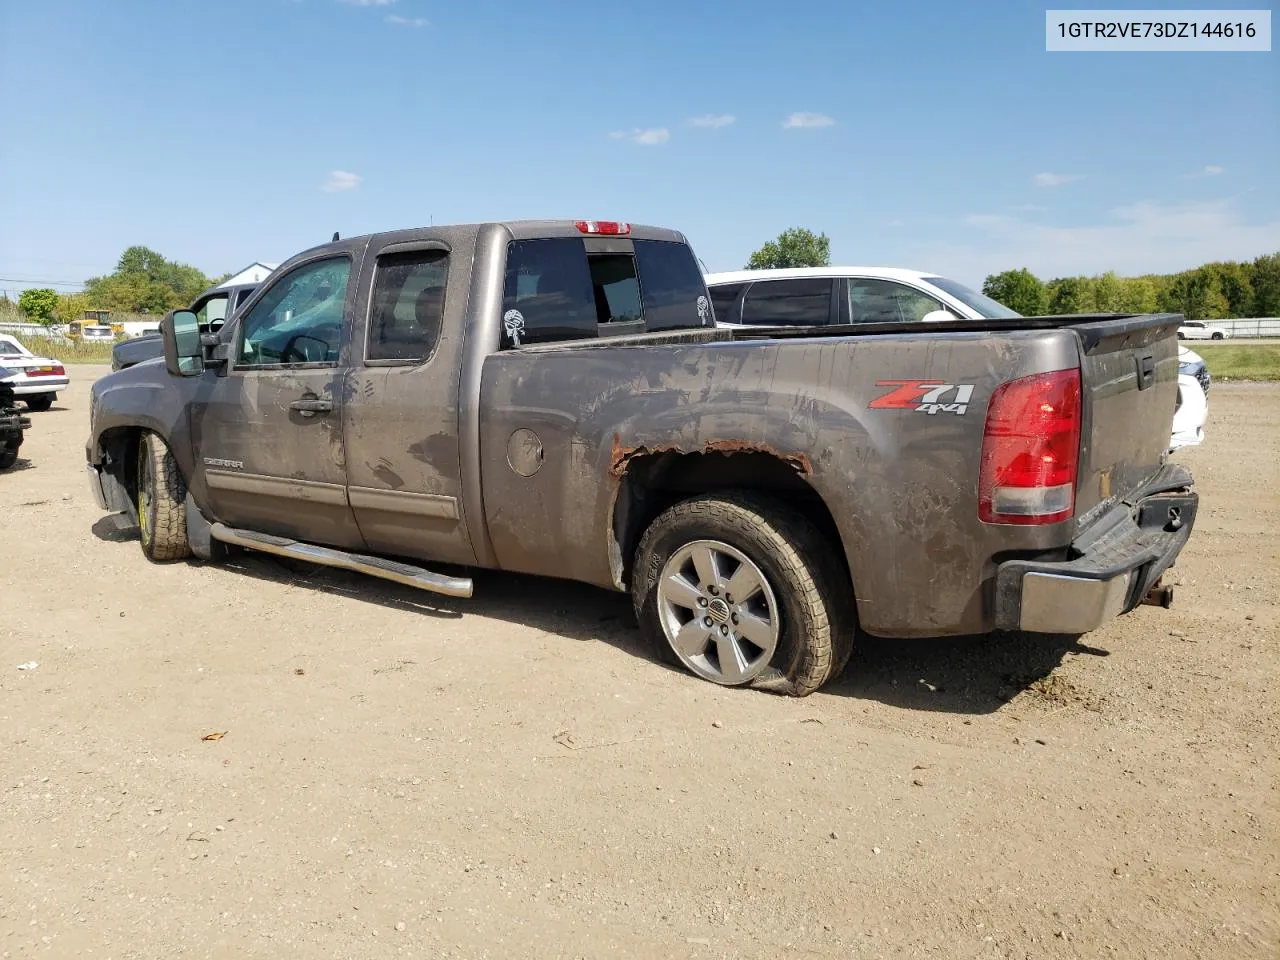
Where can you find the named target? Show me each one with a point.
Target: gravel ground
(402, 775)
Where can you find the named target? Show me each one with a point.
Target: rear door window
(407, 306)
(675, 294)
(800, 302)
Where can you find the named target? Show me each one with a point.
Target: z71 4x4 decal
(924, 396)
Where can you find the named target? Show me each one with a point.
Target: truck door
(268, 433)
(401, 422)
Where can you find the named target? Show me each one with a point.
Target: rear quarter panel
(901, 484)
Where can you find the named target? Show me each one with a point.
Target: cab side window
(408, 305)
(883, 301)
(300, 319)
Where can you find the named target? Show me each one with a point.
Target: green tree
(1234, 282)
(1264, 277)
(1139, 295)
(1197, 295)
(1070, 295)
(39, 305)
(145, 282)
(1108, 293)
(795, 247)
(71, 306)
(1019, 290)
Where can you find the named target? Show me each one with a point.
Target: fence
(1251, 327)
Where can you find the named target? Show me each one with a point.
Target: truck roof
(518, 229)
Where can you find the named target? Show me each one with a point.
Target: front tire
(40, 402)
(1216, 336)
(161, 502)
(792, 617)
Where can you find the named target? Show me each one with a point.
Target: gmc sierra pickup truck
(554, 398)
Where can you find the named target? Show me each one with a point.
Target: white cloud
(797, 120)
(1212, 171)
(646, 138)
(340, 180)
(1054, 179)
(896, 223)
(712, 121)
(1138, 238)
(400, 21)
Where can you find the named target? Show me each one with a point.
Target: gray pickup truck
(554, 398)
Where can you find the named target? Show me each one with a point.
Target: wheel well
(119, 447)
(654, 482)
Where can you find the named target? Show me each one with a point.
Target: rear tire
(161, 502)
(8, 456)
(805, 596)
(40, 402)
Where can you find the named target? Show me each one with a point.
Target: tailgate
(1129, 380)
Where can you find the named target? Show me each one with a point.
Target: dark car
(12, 424)
(213, 307)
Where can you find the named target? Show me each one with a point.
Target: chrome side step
(374, 566)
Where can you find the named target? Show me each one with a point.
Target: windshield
(988, 308)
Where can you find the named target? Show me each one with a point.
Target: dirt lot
(512, 777)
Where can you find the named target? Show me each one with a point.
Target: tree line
(143, 282)
(1214, 291)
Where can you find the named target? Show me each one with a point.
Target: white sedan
(1199, 330)
(36, 380)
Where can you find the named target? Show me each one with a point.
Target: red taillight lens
(608, 228)
(1031, 450)
(56, 370)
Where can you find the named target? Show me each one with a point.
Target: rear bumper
(1114, 562)
(25, 388)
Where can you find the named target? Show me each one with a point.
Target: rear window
(555, 290)
(548, 293)
(675, 295)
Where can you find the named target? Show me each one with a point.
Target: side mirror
(937, 316)
(183, 353)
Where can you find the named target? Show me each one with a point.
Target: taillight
(608, 228)
(56, 370)
(1031, 450)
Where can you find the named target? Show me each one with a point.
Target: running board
(374, 566)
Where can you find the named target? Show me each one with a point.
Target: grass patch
(1227, 361)
(68, 352)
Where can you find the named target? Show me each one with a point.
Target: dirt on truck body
(553, 397)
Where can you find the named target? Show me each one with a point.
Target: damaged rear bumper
(1111, 567)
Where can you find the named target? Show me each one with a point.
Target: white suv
(1199, 330)
(802, 296)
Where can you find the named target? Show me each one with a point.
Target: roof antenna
(335, 237)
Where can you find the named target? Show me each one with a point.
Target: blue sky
(933, 135)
